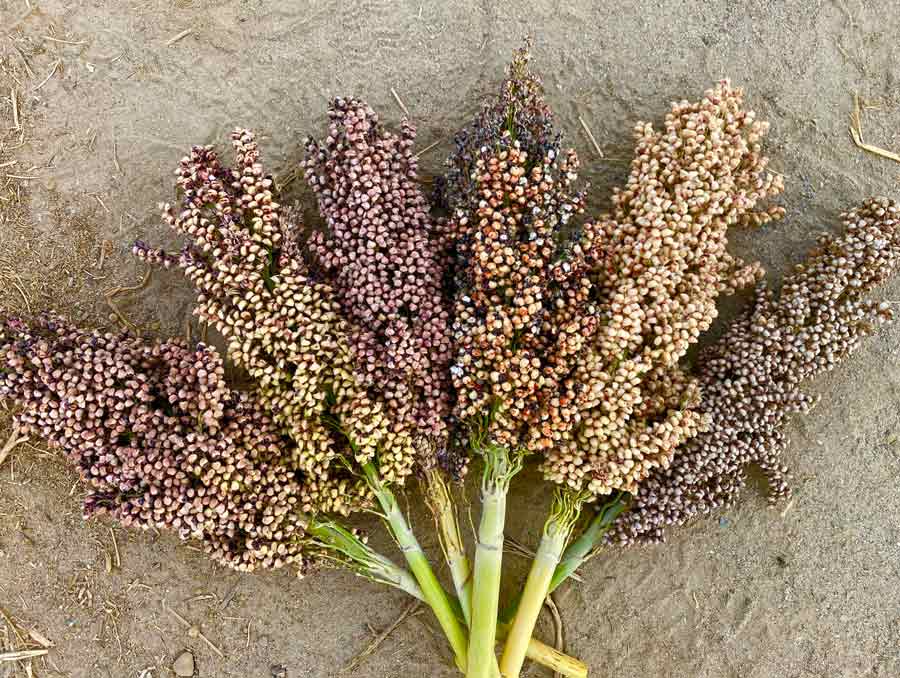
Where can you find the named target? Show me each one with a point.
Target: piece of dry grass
(15, 439)
(400, 103)
(16, 281)
(590, 135)
(12, 625)
(64, 42)
(40, 638)
(118, 291)
(175, 38)
(24, 653)
(115, 544)
(560, 641)
(19, 655)
(428, 148)
(193, 631)
(116, 153)
(516, 548)
(53, 69)
(24, 62)
(857, 136)
(14, 98)
(410, 611)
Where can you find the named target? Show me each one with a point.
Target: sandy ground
(107, 101)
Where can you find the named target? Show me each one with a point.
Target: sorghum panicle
(751, 378)
(383, 255)
(640, 289)
(159, 437)
(568, 333)
(282, 325)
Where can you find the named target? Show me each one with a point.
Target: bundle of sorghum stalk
(351, 382)
(348, 354)
(388, 343)
(568, 335)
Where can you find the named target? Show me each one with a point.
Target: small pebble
(184, 665)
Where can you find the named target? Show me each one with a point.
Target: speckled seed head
(512, 196)
(518, 112)
(385, 259)
(283, 325)
(158, 436)
(751, 378)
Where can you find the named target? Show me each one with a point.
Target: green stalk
(557, 530)
(583, 548)
(351, 552)
(441, 503)
(579, 551)
(432, 590)
(486, 587)
(499, 469)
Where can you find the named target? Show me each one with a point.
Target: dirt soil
(109, 95)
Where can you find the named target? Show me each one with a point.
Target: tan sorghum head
(282, 325)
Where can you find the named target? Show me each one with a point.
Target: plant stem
(499, 469)
(579, 551)
(555, 660)
(354, 554)
(545, 655)
(486, 586)
(582, 548)
(441, 503)
(558, 528)
(432, 590)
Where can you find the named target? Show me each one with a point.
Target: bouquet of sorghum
(404, 341)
